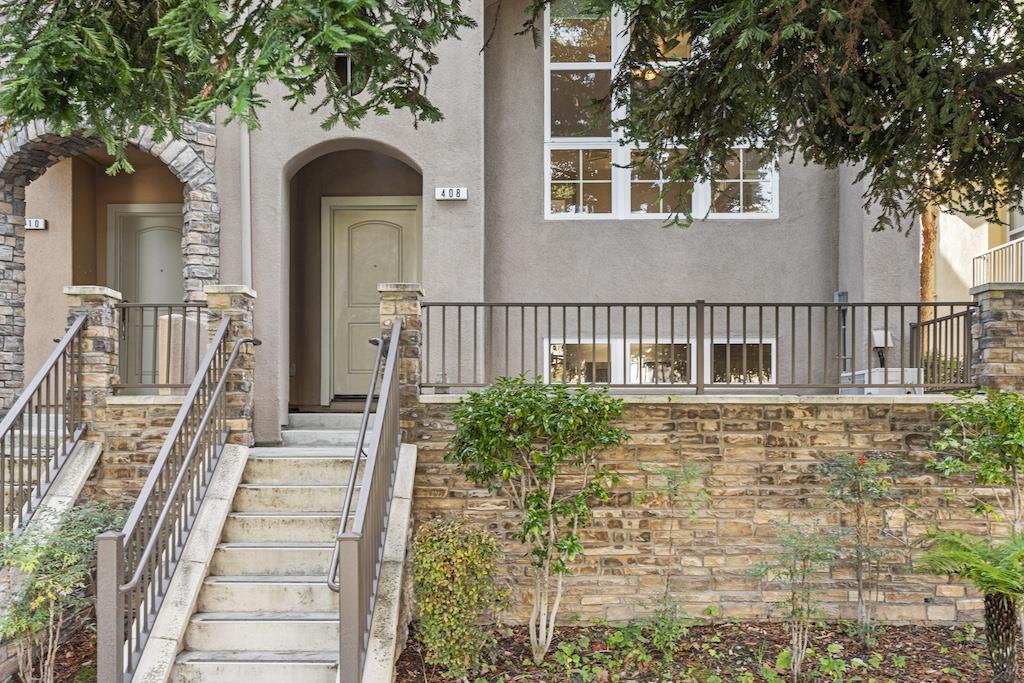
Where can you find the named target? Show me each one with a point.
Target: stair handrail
(163, 515)
(359, 454)
(57, 382)
(359, 548)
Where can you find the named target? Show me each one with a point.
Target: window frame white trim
(618, 353)
(621, 177)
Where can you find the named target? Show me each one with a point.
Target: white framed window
(1015, 225)
(589, 173)
(729, 361)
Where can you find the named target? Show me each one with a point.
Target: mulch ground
(912, 654)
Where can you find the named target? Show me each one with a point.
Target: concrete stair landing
(265, 613)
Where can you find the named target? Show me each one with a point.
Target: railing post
(700, 350)
(110, 617)
(98, 366)
(998, 336)
(351, 617)
(403, 300)
(237, 303)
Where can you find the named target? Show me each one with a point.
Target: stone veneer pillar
(403, 300)
(12, 292)
(236, 302)
(998, 330)
(99, 350)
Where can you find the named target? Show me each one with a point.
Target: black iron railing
(41, 429)
(135, 564)
(701, 346)
(160, 344)
(356, 561)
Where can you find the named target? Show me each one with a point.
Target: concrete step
(326, 420)
(277, 469)
(263, 631)
(286, 558)
(259, 527)
(267, 594)
(335, 438)
(247, 666)
(289, 497)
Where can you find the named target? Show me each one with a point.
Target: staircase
(265, 613)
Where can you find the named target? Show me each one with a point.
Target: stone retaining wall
(132, 430)
(759, 460)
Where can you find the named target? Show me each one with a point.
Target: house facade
(521, 194)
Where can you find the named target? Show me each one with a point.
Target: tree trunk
(1002, 631)
(929, 242)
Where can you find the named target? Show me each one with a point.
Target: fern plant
(997, 570)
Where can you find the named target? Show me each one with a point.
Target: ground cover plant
(726, 652)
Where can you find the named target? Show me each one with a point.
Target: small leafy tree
(860, 485)
(804, 554)
(47, 575)
(984, 438)
(538, 444)
(454, 568)
(997, 570)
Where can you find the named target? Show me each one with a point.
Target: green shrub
(804, 554)
(984, 438)
(538, 444)
(48, 575)
(455, 586)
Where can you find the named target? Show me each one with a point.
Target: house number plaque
(450, 194)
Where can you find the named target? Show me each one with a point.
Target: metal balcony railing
(161, 345)
(701, 347)
(1004, 263)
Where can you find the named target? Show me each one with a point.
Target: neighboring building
(314, 219)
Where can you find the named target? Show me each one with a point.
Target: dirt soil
(726, 652)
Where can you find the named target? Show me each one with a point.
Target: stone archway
(26, 155)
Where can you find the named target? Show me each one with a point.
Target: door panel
(371, 244)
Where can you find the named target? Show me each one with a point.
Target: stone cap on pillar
(997, 287)
(92, 290)
(409, 287)
(230, 289)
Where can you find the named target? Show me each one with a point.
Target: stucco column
(998, 331)
(236, 303)
(12, 291)
(99, 349)
(403, 300)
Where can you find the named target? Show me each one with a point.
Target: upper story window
(589, 172)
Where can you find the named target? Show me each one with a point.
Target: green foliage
(992, 567)
(538, 444)
(455, 586)
(804, 554)
(997, 570)
(666, 630)
(830, 665)
(926, 97)
(861, 486)
(983, 437)
(111, 67)
(49, 570)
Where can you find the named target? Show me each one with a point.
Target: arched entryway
(355, 221)
(25, 156)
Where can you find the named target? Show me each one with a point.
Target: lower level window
(740, 363)
(581, 181)
(659, 363)
(580, 364)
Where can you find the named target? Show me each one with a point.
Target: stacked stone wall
(759, 464)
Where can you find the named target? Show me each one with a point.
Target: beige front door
(369, 240)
